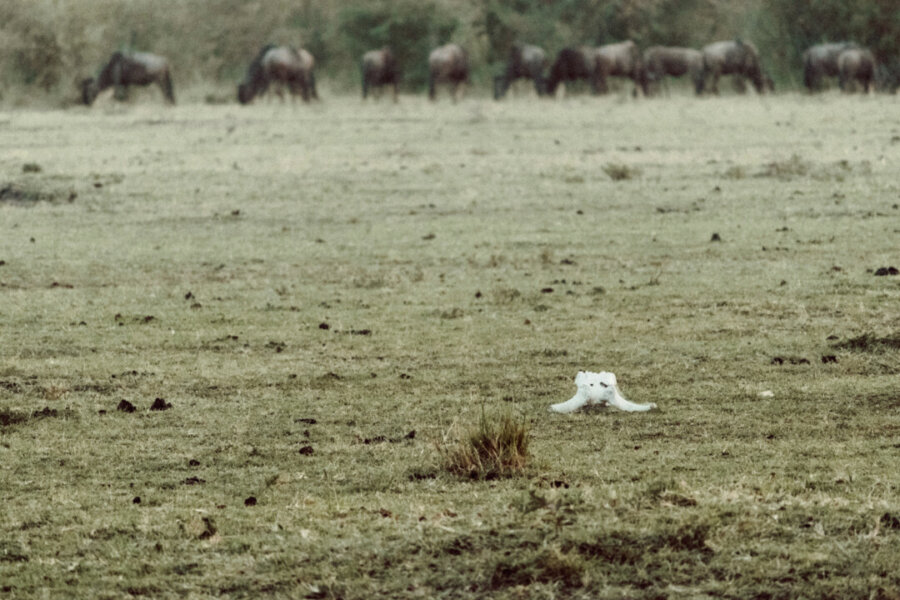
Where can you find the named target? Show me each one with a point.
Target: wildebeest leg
(119, 86)
(311, 84)
(303, 87)
(699, 85)
(432, 87)
(499, 88)
(166, 84)
(714, 88)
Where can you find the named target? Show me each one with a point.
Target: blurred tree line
(47, 45)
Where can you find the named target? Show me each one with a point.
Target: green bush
(412, 28)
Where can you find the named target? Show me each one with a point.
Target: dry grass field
(324, 298)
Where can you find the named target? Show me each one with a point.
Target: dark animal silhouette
(526, 62)
(619, 60)
(379, 68)
(448, 64)
(283, 66)
(821, 61)
(571, 64)
(124, 70)
(856, 64)
(737, 58)
(670, 61)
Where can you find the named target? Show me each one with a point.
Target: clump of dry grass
(794, 166)
(550, 565)
(869, 342)
(620, 171)
(497, 447)
(735, 172)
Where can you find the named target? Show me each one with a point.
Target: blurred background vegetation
(46, 46)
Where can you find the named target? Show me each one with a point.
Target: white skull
(598, 388)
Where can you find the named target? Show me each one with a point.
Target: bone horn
(570, 405)
(623, 403)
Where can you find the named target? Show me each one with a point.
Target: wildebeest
(283, 66)
(447, 64)
(379, 68)
(619, 60)
(525, 61)
(572, 64)
(856, 64)
(821, 61)
(123, 70)
(733, 57)
(670, 61)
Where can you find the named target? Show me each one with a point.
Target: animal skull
(598, 388)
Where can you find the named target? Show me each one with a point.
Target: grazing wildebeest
(619, 60)
(525, 61)
(733, 57)
(123, 70)
(663, 61)
(856, 64)
(821, 61)
(283, 66)
(572, 64)
(447, 64)
(379, 68)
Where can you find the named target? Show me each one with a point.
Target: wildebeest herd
(285, 67)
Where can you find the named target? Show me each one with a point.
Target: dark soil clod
(306, 420)
(793, 360)
(306, 450)
(160, 404)
(8, 417)
(715, 238)
(884, 271)
(829, 358)
(889, 521)
(193, 481)
(422, 475)
(251, 501)
(44, 413)
(136, 500)
(126, 406)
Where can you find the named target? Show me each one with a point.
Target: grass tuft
(621, 172)
(869, 342)
(789, 168)
(550, 565)
(496, 448)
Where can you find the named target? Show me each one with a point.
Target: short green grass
(327, 295)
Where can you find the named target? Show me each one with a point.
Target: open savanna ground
(319, 300)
